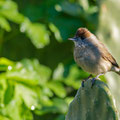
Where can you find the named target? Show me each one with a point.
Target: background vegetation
(38, 76)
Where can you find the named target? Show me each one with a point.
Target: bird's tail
(118, 73)
(117, 70)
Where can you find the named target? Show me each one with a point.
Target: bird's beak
(73, 39)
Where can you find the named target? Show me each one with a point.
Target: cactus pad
(94, 103)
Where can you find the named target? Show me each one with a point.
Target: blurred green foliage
(38, 76)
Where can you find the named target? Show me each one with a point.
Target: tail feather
(116, 69)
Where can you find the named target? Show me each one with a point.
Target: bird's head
(81, 34)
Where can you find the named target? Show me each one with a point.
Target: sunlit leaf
(47, 91)
(12, 110)
(29, 72)
(92, 9)
(58, 88)
(61, 105)
(5, 61)
(4, 24)
(9, 10)
(4, 118)
(3, 87)
(84, 4)
(58, 72)
(15, 110)
(5, 64)
(69, 100)
(36, 32)
(28, 95)
(56, 32)
(72, 9)
(45, 100)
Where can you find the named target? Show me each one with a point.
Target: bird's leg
(93, 80)
(86, 79)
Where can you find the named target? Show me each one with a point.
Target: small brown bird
(91, 55)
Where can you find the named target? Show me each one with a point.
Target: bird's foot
(97, 77)
(93, 79)
(83, 83)
(93, 82)
(85, 80)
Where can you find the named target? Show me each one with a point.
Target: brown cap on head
(83, 33)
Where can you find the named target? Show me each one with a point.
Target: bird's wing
(107, 56)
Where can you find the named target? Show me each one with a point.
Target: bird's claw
(85, 80)
(83, 83)
(93, 81)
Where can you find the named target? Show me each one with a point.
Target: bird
(92, 56)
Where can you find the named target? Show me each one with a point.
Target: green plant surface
(94, 103)
(28, 87)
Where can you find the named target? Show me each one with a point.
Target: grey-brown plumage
(91, 55)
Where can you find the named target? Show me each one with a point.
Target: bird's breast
(89, 59)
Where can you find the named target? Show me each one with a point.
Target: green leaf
(9, 10)
(58, 88)
(28, 95)
(5, 64)
(47, 91)
(12, 110)
(61, 105)
(44, 96)
(84, 4)
(92, 9)
(36, 32)
(16, 110)
(8, 93)
(5, 61)
(4, 118)
(29, 72)
(56, 32)
(3, 87)
(26, 114)
(72, 9)
(58, 72)
(69, 100)
(4, 24)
